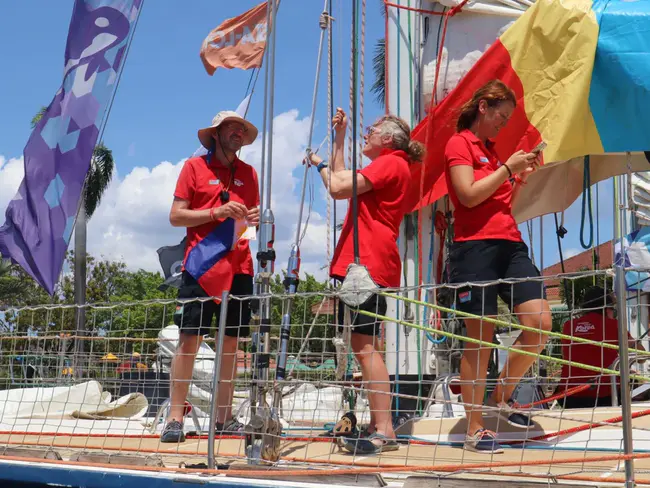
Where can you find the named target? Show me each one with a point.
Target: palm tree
(378, 87)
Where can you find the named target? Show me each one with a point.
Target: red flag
(435, 130)
(238, 42)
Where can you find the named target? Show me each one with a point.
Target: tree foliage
(127, 308)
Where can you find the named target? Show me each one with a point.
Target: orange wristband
(212, 214)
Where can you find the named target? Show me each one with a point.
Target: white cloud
(569, 253)
(132, 220)
(11, 174)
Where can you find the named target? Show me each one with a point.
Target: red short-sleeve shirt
(201, 183)
(380, 212)
(595, 327)
(492, 219)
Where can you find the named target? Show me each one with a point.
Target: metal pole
(624, 363)
(78, 366)
(263, 205)
(261, 308)
(218, 358)
(353, 120)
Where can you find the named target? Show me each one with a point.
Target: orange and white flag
(238, 42)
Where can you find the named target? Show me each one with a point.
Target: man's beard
(230, 145)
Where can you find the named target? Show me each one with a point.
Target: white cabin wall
(407, 349)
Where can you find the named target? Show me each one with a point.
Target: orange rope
(567, 393)
(573, 430)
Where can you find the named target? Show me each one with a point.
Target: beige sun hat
(205, 135)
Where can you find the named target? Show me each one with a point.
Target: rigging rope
(586, 195)
(560, 232)
(529, 226)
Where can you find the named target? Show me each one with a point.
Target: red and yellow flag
(575, 67)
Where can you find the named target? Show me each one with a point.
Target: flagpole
(261, 308)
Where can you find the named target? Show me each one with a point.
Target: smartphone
(539, 148)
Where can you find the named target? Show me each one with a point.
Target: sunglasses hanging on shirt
(224, 195)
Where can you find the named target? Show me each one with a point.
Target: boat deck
(560, 457)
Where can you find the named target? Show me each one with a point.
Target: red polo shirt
(380, 212)
(493, 218)
(200, 184)
(595, 327)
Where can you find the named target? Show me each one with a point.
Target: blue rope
(586, 195)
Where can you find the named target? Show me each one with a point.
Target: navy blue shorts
(363, 324)
(196, 317)
(491, 260)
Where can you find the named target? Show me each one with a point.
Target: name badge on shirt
(214, 182)
(484, 159)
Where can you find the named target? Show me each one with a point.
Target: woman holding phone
(488, 247)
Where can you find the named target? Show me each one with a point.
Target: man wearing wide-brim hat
(212, 193)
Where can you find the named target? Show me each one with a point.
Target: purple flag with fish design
(40, 218)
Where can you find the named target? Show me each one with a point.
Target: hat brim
(205, 134)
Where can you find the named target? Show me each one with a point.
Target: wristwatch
(321, 165)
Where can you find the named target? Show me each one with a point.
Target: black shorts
(491, 260)
(363, 324)
(196, 317)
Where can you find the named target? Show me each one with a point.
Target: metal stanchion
(621, 293)
(221, 332)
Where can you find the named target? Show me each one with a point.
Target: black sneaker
(507, 412)
(229, 427)
(173, 432)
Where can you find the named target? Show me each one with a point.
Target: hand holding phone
(539, 148)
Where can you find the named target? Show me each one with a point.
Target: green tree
(302, 314)
(12, 287)
(572, 289)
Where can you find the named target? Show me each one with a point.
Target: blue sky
(165, 95)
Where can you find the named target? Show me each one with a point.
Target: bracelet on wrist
(212, 214)
(508, 169)
(321, 166)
